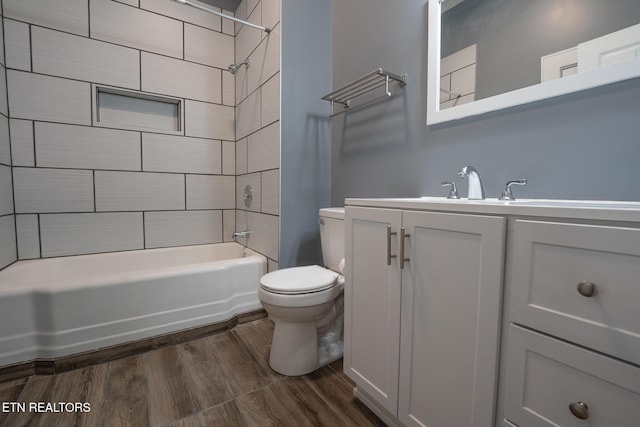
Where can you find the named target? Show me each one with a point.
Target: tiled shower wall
(7, 218)
(85, 185)
(258, 127)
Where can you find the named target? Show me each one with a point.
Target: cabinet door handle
(579, 410)
(587, 289)
(389, 234)
(403, 235)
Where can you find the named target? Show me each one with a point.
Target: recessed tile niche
(123, 109)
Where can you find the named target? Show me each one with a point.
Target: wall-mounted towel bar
(373, 80)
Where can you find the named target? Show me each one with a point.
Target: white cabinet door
(451, 304)
(609, 49)
(372, 303)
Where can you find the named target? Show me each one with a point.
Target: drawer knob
(579, 410)
(587, 289)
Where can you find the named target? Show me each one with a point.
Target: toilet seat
(299, 280)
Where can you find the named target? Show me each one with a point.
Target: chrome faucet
(476, 192)
(240, 234)
(507, 194)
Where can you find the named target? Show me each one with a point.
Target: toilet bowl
(306, 305)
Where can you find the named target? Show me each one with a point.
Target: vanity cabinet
(574, 332)
(422, 313)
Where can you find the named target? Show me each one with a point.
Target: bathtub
(56, 307)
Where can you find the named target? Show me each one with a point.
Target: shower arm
(215, 12)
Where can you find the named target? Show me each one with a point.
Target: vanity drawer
(554, 268)
(546, 376)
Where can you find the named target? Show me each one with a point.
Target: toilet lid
(299, 280)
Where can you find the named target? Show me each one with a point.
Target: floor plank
(259, 346)
(220, 380)
(263, 408)
(204, 376)
(9, 395)
(126, 403)
(40, 390)
(339, 393)
(224, 415)
(304, 404)
(237, 364)
(169, 397)
(87, 385)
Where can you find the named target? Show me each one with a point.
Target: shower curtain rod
(215, 12)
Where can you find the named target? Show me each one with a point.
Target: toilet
(306, 305)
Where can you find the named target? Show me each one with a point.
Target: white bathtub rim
(26, 337)
(8, 287)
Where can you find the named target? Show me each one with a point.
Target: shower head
(234, 68)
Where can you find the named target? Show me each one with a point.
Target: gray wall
(305, 128)
(512, 35)
(578, 146)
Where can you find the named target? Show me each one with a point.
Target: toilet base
(297, 350)
(294, 348)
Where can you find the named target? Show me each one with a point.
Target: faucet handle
(507, 194)
(453, 191)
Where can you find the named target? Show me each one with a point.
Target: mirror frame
(590, 79)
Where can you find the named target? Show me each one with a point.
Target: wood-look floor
(220, 380)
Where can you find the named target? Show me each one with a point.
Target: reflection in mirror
(490, 50)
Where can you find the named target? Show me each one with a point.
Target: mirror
(488, 55)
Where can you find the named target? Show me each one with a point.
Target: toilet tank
(332, 237)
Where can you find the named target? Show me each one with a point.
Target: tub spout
(237, 234)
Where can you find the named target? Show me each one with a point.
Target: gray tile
(166, 153)
(270, 13)
(264, 234)
(228, 224)
(248, 115)
(248, 38)
(271, 192)
(5, 142)
(241, 156)
(180, 78)
(209, 120)
(74, 234)
(228, 89)
(81, 147)
(28, 231)
(208, 47)
(265, 60)
(210, 192)
(4, 109)
(129, 26)
(17, 45)
(270, 101)
(67, 15)
(254, 181)
(40, 190)
(264, 149)
(22, 148)
(6, 191)
(38, 97)
(80, 58)
(185, 13)
(7, 240)
(138, 191)
(228, 157)
(182, 228)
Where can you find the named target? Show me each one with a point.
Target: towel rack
(370, 81)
